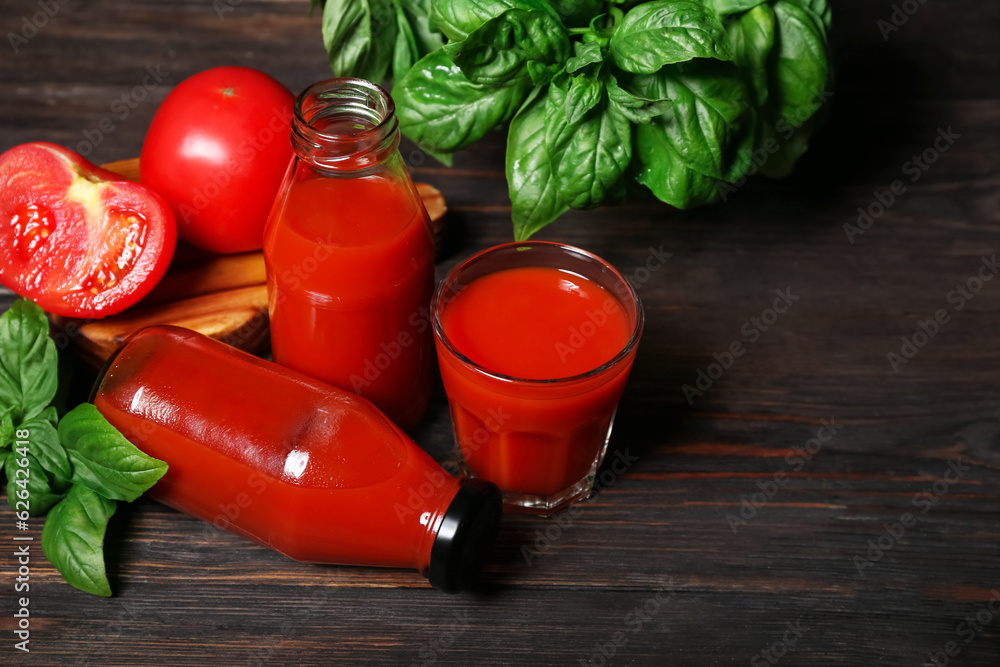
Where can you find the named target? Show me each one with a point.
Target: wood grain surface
(649, 571)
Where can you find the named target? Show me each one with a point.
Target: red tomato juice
(533, 323)
(350, 270)
(309, 470)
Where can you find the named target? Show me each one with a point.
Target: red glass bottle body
(350, 253)
(316, 473)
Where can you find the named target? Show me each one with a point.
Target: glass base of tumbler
(529, 503)
(515, 502)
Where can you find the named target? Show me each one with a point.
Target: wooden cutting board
(222, 296)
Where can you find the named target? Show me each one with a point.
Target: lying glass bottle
(315, 472)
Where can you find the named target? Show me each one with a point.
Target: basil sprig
(682, 96)
(73, 468)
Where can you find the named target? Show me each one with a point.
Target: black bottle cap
(466, 536)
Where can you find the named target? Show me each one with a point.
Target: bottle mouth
(344, 124)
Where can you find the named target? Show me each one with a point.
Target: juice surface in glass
(534, 361)
(350, 259)
(526, 323)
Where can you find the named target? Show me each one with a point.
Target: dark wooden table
(880, 545)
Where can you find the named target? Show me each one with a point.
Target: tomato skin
(78, 240)
(217, 151)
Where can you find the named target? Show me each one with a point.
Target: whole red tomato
(217, 151)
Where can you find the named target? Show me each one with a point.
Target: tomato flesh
(80, 241)
(32, 225)
(125, 239)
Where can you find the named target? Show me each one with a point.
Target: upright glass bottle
(292, 463)
(350, 253)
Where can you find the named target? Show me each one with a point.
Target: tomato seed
(33, 223)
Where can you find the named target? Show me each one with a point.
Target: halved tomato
(76, 239)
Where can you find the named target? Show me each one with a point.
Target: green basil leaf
(820, 11)
(444, 158)
(734, 6)
(360, 37)
(752, 37)
(33, 479)
(497, 51)
(661, 170)
(458, 18)
(540, 74)
(28, 360)
(442, 111)
(45, 446)
(711, 122)
(425, 31)
(405, 52)
(73, 539)
(636, 108)
(799, 74)
(535, 197)
(103, 459)
(589, 155)
(585, 53)
(654, 34)
(6, 428)
(49, 414)
(584, 93)
(577, 13)
(790, 143)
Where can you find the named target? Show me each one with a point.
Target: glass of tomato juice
(535, 341)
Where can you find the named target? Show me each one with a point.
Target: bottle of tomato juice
(350, 255)
(310, 470)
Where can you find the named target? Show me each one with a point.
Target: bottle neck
(344, 125)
